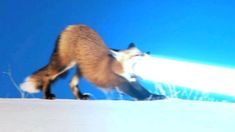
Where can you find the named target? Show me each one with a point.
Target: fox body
(80, 46)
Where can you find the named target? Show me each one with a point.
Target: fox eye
(138, 54)
(117, 50)
(131, 45)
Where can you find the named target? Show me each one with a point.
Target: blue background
(196, 30)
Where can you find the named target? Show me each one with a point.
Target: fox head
(128, 59)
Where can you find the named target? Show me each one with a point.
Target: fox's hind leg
(51, 73)
(46, 89)
(75, 88)
(59, 70)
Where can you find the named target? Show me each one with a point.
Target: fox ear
(117, 55)
(131, 45)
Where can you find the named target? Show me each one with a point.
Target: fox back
(82, 46)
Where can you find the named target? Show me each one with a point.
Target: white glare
(191, 75)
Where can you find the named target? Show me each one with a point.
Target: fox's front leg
(137, 91)
(141, 89)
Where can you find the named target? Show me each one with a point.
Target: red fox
(81, 46)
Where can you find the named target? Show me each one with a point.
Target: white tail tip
(29, 85)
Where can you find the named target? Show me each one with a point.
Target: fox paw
(50, 96)
(156, 97)
(84, 96)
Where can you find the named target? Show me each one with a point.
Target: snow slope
(37, 115)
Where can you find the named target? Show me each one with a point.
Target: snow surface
(38, 115)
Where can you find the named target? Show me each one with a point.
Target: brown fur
(84, 46)
(81, 46)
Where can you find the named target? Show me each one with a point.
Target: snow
(38, 115)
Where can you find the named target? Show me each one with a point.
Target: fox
(80, 46)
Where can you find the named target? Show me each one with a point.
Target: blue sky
(195, 30)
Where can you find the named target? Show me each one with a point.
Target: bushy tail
(31, 85)
(35, 82)
(42, 78)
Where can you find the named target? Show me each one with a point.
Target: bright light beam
(191, 75)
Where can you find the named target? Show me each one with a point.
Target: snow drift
(37, 115)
